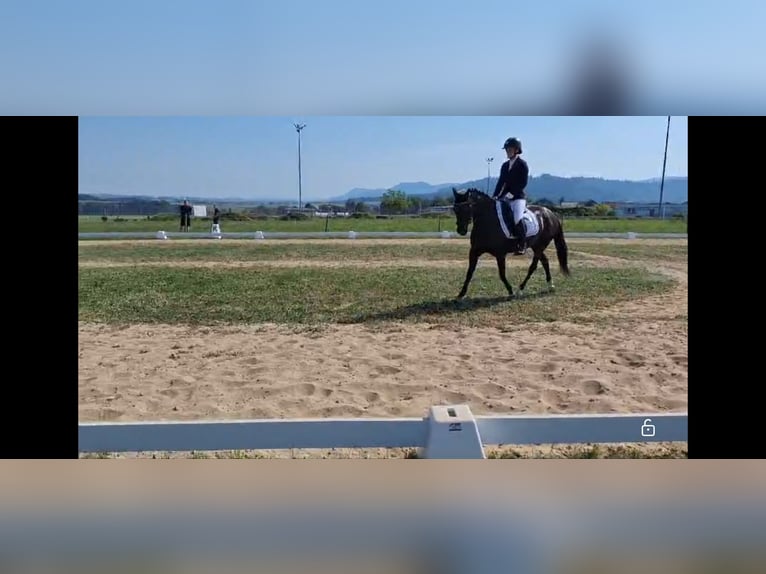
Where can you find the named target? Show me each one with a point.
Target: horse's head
(462, 208)
(463, 205)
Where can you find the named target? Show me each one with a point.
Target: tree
(414, 203)
(603, 210)
(353, 206)
(394, 201)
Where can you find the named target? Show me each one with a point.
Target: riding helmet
(512, 142)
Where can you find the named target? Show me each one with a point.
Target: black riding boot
(521, 237)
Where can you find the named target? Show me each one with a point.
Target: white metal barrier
(161, 234)
(446, 432)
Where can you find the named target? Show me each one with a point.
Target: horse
(490, 235)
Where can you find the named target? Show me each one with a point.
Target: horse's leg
(547, 268)
(501, 270)
(473, 259)
(531, 270)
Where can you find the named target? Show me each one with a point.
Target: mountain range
(554, 188)
(551, 187)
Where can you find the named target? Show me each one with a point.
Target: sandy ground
(635, 361)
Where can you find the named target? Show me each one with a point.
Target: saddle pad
(505, 216)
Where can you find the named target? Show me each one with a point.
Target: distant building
(293, 210)
(637, 209)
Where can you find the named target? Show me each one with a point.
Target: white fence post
(452, 433)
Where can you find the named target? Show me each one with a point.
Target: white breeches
(216, 228)
(518, 206)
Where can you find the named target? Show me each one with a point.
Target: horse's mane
(482, 196)
(477, 193)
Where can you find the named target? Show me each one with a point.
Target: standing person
(514, 176)
(186, 211)
(216, 228)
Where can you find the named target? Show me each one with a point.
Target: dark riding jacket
(513, 182)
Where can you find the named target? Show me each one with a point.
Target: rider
(514, 175)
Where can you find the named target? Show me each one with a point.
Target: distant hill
(410, 188)
(550, 187)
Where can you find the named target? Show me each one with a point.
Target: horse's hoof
(520, 292)
(551, 287)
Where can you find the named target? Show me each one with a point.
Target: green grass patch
(232, 251)
(595, 225)
(658, 252)
(227, 251)
(429, 224)
(312, 296)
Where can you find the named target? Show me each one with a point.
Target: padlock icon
(646, 428)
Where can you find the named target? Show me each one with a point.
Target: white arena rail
(344, 235)
(446, 432)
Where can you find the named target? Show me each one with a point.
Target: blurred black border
(41, 273)
(39, 419)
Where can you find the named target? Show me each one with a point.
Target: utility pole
(664, 163)
(298, 128)
(489, 161)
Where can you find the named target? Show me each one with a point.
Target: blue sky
(256, 157)
(282, 57)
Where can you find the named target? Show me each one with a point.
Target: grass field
(636, 251)
(91, 224)
(315, 296)
(353, 292)
(360, 250)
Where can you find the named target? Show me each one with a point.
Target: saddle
(505, 217)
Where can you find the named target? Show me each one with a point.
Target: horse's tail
(562, 251)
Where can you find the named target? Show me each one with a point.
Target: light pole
(489, 161)
(298, 128)
(664, 163)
